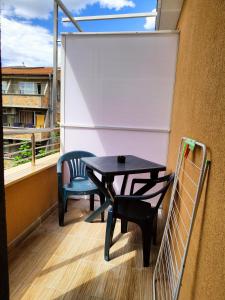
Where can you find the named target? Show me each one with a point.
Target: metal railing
(27, 146)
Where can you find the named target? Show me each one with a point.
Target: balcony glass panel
(4, 86)
(30, 88)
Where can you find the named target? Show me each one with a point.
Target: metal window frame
(112, 17)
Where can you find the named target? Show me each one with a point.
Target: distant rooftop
(27, 70)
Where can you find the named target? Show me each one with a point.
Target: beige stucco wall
(199, 112)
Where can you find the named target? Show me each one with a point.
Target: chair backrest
(168, 179)
(76, 167)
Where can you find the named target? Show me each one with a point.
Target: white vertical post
(55, 67)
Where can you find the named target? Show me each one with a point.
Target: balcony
(52, 262)
(48, 261)
(25, 101)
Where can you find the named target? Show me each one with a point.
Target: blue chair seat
(81, 186)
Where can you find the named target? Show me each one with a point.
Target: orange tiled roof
(26, 71)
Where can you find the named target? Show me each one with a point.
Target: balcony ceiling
(168, 14)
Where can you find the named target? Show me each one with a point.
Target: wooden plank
(68, 263)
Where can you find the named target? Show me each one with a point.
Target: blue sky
(27, 25)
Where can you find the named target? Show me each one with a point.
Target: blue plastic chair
(79, 183)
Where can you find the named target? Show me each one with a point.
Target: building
(27, 103)
(27, 100)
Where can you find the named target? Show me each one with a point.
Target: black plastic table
(109, 167)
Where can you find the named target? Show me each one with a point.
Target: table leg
(104, 191)
(154, 175)
(98, 211)
(124, 184)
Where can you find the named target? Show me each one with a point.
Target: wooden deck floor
(67, 262)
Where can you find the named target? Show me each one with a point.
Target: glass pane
(4, 86)
(28, 88)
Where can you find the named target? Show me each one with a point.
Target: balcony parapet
(31, 195)
(8, 131)
(18, 133)
(19, 173)
(26, 101)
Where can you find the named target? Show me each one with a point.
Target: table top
(108, 165)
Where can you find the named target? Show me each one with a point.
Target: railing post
(33, 149)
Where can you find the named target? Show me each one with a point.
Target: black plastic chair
(79, 183)
(132, 208)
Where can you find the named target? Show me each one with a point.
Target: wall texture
(199, 113)
(33, 101)
(29, 199)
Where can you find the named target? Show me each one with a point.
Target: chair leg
(112, 231)
(123, 225)
(61, 208)
(109, 234)
(146, 240)
(92, 204)
(66, 205)
(102, 201)
(61, 214)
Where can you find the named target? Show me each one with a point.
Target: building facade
(27, 103)
(27, 97)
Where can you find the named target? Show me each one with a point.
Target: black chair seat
(133, 208)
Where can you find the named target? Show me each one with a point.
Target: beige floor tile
(68, 262)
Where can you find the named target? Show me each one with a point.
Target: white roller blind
(117, 92)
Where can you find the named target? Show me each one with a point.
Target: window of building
(26, 118)
(30, 88)
(39, 88)
(4, 120)
(4, 86)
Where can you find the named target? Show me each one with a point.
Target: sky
(27, 25)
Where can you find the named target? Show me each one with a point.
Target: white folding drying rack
(186, 192)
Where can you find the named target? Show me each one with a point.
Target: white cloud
(23, 42)
(116, 4)
(150, 22)
(27, 9)
(41, 9)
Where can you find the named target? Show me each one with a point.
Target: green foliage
(25, 151)
(42, 153)
(24, 155)
(55, 134)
